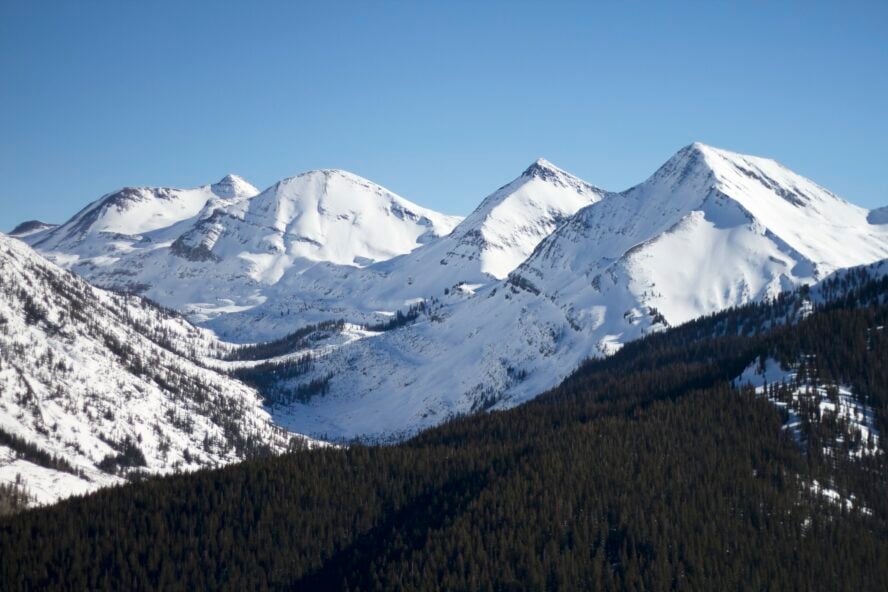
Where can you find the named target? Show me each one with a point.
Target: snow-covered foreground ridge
(547, 271)
(97, 388)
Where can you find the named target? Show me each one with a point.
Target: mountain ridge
(231, 244)
(576, 272)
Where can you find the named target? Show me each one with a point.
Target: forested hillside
(653, 469)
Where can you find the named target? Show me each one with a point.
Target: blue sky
(440, 102)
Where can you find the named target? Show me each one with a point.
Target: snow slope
(97, 387)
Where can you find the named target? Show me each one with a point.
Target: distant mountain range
(423, 315)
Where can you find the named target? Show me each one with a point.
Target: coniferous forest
(647, 470)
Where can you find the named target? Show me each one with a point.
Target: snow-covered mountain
(217, 249)
(494, 239)
(548, 271)
(710, 229)
(506, 227)
(135, 211)
(97, 387)
(500, 234)
(31, 227)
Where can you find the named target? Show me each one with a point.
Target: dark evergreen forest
(647, 470)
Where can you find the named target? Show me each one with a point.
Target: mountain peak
(698, 151)
(749, 179)
(717, 159)
(230, 179)
(510, 222)
(543, 169)
(707, 150)
(322, 176)
(545, 164)
(316, 184)
(331, 215)
(233, 186)
(693, 153)
(701, 165)
(701, 147)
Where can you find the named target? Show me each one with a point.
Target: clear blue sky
(439, 102)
